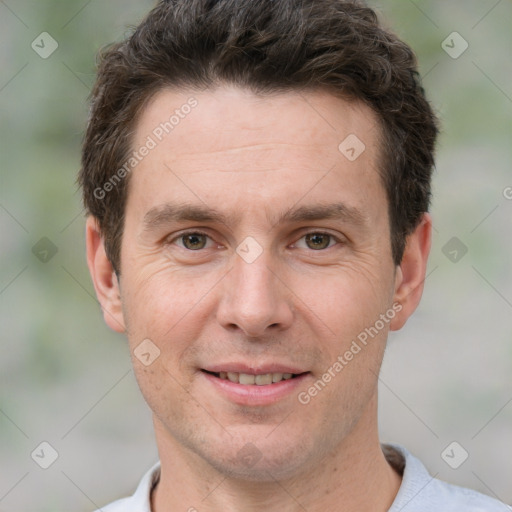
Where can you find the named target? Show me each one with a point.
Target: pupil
(194, 241)
(318, 240)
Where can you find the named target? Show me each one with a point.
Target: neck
(353, 477)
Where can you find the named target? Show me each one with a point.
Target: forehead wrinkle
(267, 146)
(309, 158)
(262, 170)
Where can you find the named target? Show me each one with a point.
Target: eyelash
(201, 233)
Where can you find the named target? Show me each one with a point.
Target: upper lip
(253, 369)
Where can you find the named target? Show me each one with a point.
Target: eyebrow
(168, 213)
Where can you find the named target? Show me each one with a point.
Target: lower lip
(267, 394)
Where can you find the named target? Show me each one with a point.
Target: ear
(103, 277)
(410, 274)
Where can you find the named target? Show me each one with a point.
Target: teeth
(260, 380)
(247, 379)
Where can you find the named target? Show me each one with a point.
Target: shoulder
(140, 501)
(455, 498)
(122, 505)
(420, 492)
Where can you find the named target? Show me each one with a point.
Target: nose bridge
(254, 299)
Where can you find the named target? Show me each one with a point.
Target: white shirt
(419, 492)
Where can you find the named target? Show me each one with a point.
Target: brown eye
(194, 241)
(318, 241)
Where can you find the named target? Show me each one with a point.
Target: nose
(255, 299)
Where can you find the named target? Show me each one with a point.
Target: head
(257, 177)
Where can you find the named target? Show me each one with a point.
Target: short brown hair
(267, 46)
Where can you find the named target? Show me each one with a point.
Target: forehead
(306, 119)
(206, 143)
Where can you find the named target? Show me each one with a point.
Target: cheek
(159, 299)
(164, 390)
(346, 299)
(350, 304)
(164, 317)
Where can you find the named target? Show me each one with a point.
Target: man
(257, 178)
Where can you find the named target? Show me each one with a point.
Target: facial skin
(256, 161)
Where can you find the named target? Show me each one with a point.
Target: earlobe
(410, 275)
(104, 278)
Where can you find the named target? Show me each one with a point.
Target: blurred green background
(67, 380)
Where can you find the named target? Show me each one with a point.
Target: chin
(260, 458)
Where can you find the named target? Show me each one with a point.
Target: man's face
(253, 245)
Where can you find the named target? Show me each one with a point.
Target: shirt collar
(414, 477)
(141, 500)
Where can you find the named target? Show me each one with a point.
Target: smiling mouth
(247, 379)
